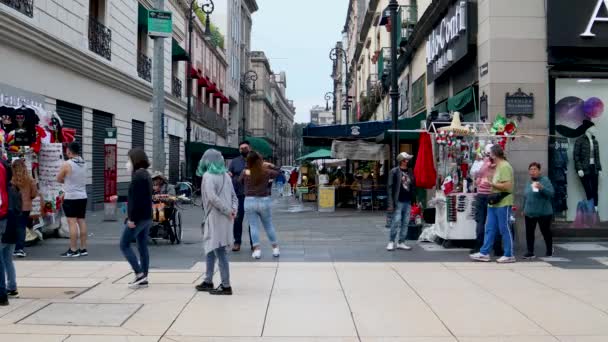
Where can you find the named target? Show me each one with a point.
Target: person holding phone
(538, 209)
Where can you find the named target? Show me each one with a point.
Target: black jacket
(394, 185)
(582, 154)
(139, 203)
(12, 219)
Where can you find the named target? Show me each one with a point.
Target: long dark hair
(255, 164)
(139, 159)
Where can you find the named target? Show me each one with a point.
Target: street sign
(160, 24)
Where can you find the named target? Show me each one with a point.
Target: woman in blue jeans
(139, 220)
(258, 202)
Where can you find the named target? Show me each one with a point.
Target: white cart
(455, 217)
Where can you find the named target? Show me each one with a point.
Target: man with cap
(400, 195)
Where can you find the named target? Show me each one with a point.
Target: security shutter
(138, 130)
(101, 121)
(71, 115)
(173, 159)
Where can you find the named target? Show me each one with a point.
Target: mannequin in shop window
(587, 163)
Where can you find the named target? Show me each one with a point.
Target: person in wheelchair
(163, 202)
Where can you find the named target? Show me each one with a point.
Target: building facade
(321, 116)
(271, 114)
(90, 61)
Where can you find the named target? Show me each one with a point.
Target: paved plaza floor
(333, 282)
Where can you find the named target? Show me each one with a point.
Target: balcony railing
(209, 118)
(384, 59)
(176, 88)
(24, 6)
(100, 39)
(144, 67)
(408, 17)
(372, 80)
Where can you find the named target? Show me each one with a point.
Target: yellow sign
(327, 198)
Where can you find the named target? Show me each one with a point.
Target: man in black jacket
(237, 166)
(401, 186)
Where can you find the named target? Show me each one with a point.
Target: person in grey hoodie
(220, 206)
(538, 209)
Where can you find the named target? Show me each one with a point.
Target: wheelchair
(166, 221)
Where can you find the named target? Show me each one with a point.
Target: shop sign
(483, 70)
(419, 95)
(519, 104)
(483, 107)
(355, 130)
(110, 168)
(449, 41)
(160, 24)
(14, 97)
(580, 23)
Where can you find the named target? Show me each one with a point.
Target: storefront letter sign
(519, 104)
(595, 18)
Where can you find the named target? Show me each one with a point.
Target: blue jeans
(22, 221)
(8, 276)
(499, 221)
(222, 261)
(401, 221)
(259, 209)
(139, 233)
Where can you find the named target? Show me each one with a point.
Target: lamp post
(249, 76)
(394, 92)
(207, 8)
(335, 55)
(329, 96)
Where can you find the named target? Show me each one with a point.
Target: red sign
(110, 172)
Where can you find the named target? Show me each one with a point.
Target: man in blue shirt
(236, 168)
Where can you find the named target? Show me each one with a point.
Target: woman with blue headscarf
(220, 206)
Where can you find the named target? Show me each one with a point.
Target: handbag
(495, 198)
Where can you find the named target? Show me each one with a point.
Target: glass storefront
(579, 105)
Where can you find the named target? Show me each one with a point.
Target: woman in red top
(293, 180)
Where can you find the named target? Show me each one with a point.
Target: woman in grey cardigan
(220, 206)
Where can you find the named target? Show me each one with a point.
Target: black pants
(238, 222)
(590, 183)
(545, 228)
(481, 214)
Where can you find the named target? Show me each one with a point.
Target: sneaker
(204, 287)
(257, 254)
(236, 247)
(19, 254)
(4, 301)
(390, 247)
(404, 247)
(550, 253)
(139, 281)
(506, 260)
(276, 252)
(13, 294)
(221, 291)
(83, 252)
(480, 257)
(71, 254)
(529, 256)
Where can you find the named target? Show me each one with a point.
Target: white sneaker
(403, 246)
(390, 246)
(257, 254)
(506, 260)
(480, 257)
(276, 252)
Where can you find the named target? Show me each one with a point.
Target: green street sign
(111, 133)
(159, 24)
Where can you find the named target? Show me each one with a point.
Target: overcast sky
(297, 37)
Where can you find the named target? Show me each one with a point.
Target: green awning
(177, 52)
(441, 107)
(412, 123)
(461, 100)
(318, 154)
(142, 16)
(261, 146)
(197, 149)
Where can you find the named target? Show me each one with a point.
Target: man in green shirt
(499, 214)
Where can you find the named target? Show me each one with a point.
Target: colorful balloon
(593, 108)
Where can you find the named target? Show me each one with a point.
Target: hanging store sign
(449, 40)
(419, 95)
(160, 24)
(580, 23)
(14, 97)
(519, 104)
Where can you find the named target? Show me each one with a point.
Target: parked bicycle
(187, 195)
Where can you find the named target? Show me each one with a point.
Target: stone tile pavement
(302, 301)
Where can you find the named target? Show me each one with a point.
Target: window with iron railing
(176, 87)
(144, 67)
(25, 7)
(100, 37)
(408, 17)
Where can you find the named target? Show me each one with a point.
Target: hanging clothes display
(424, 171)
(559, 174)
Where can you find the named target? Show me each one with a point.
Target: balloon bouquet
(505, 129)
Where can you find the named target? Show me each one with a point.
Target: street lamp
(329, 96)
(335, 55)
(249, 76)
(394, 92)
(207, 8)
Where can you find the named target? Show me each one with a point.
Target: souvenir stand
(38, 136)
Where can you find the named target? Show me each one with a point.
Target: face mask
(129, 167)
(535, 179)
(244, 154)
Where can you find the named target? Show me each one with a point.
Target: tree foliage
(217, 38)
